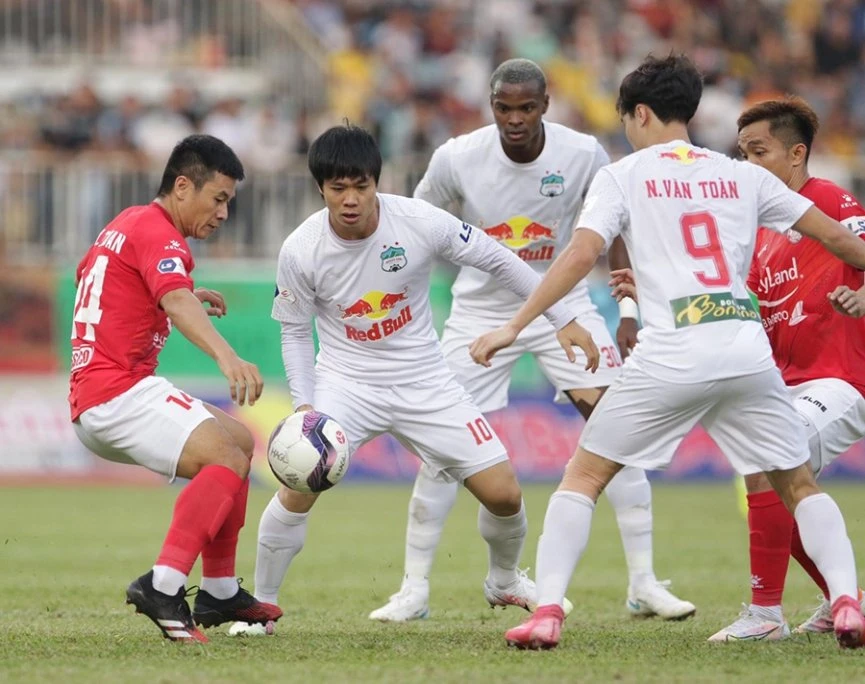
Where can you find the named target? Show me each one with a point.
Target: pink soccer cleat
(848, 622)
(541, 631)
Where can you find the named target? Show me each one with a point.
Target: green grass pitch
(67, 555)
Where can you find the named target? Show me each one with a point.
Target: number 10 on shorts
(480, 430)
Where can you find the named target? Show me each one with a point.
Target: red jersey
(791, 276)
(118, 328)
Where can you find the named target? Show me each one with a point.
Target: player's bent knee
(757, 483)
(794, 485)
(296, 502)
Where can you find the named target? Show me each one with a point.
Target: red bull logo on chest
(526, 238)
(389, 312)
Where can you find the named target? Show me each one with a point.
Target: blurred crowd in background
(415, 72)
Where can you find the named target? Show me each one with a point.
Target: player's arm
(833, 236)
(293, 307)
(189, 317)
(626, 334)
(438, 185)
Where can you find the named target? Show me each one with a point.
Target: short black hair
(671, 86)
(517, 71)
(346, 151)
(199, 157)
(790, 118)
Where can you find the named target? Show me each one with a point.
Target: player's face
(758, 146)
(351, 203)
(518, 109)
(203, 210)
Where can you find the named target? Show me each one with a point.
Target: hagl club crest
(552, 185)
(393, 259)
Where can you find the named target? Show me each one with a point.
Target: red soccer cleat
(848, 622)
(541, 631)
(209, 611)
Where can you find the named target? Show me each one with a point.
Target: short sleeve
(605, 210)
(294, 296)
(851, 214)
(164, 262)
(778, 206)
(438, 185)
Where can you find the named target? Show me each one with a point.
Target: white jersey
(689, 218)
(370, 297)
(530, 208)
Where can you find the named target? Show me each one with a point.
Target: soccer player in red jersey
(134, 285)
(812, 305)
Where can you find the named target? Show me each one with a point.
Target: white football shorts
(147, 425)
(435, 419)
(489, 386)
(641, 420)
(833, 412)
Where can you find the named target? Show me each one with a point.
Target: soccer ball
(308, 452)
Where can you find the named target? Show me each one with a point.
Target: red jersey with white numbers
(118, 328)
(791, 275)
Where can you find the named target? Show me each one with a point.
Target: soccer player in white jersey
(523, 181)
(361, 267)
(689, 218)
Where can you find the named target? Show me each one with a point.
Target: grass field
(67, 555)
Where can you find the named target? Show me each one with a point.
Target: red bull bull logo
(683, 155)
(376, 305)
(520, 233)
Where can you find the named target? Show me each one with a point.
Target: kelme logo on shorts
(708, 308)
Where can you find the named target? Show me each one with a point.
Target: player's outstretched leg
(824, 538)
(431, 500)
(502, 523)
(281, 535)
(770, 528)
(630, 494)
(566, 533)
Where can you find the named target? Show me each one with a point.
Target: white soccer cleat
(750, 627)
(653, 598)
(409, 603)
(255, 629)
(522, 593)
(820, 622)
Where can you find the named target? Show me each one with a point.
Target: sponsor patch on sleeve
(171, 265)
(855, 224)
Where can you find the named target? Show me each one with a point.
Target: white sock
(505, 536)
(220, 587)
(566, 533)
(630, 494)
(825, 540)
(168, 580)
(431, 500)
(767, 612)
(281, 534)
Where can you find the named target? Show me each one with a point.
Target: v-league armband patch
(171, 265)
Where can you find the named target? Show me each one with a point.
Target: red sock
(771, 527)
(798, 552)
(199, 513)
(217, 557)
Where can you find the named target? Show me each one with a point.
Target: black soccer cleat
(169, 613)
(209, 611)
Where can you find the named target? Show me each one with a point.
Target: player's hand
(304, 407)
(848, 302)
(214, 302)
(244, 380)
(486, 346)
(623, 284)
(626, 336)
(573, 334)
